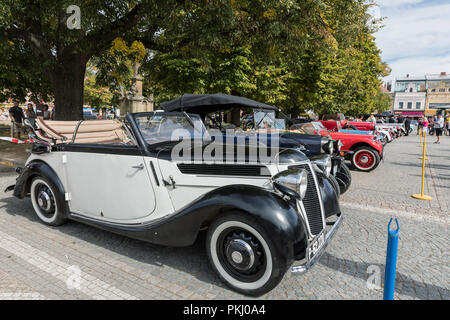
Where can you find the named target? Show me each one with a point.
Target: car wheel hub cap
(44, 201)
(365, 159)
(236, 256)
(240, 254)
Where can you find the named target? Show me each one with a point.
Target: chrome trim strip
(298, 269)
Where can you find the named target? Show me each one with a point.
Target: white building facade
(410, 96)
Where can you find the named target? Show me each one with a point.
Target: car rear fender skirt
(277, 216)
(330, 199)
(42, 169)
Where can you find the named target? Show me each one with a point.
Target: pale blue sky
(416, 36)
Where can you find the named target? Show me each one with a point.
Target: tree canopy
(299, 55)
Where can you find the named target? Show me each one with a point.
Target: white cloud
(396, 3)
(415, 38)
(419, 66)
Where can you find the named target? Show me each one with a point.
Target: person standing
(420, 126)
(46, 114)
(438, 127)
(407, 126)
(425, 125)
(16, 115)
(29, 112)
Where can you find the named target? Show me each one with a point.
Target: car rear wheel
(243, 254)
(47, 202)
(365, 158)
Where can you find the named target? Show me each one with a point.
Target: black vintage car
(239, 116)
(261, 218)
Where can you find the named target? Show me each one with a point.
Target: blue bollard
(391, 262)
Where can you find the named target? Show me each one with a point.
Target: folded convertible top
(92, 131)
(206, 103)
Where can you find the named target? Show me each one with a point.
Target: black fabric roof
(206, 103)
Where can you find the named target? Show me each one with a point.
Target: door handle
(140, 167)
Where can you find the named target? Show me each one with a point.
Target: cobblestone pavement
(41, 262)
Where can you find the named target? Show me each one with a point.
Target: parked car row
(263, 189)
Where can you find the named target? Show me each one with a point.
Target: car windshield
(307, 128)
(160, 127)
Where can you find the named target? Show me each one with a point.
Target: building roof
(437, 77)
(411, 78)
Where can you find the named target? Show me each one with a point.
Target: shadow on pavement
(192, 260)
(360, 271)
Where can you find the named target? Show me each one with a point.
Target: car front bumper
(303, 267)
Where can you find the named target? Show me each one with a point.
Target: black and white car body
(261, 218)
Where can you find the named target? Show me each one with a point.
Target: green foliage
(95, 95)
(315, 55)
(305, 55)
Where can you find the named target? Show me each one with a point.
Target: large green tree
(311, 54)
(60, 52)
(303, 55)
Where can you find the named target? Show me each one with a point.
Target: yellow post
(421, 196)
(422, 134)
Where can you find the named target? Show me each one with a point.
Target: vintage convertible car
(367, 128)
(245, 118)
(367, 149)
(158, 177)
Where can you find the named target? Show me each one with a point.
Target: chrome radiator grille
(311, 203)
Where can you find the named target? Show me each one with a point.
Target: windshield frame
(132, 117)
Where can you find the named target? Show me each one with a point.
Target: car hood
(234, 152)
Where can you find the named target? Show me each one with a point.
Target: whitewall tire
(243, 255)
(365, 159)
(46, 202)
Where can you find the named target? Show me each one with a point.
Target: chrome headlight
(327, 146)
(337, 145)
(292, 182)
(322, 164)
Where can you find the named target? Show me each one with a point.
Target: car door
(108, 182)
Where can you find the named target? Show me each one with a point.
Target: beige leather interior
(91, 131)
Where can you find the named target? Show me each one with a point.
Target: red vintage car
(366, 150)
(336, 125)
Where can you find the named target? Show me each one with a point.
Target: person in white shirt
(438, 127)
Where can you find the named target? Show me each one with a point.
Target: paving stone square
(76, 261)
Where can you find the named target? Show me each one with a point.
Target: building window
(418, 105)
(441, 90)
(410, 89)
(433, 90)
(409, 105)
(400, 105)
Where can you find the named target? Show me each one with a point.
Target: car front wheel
(365, 159)
(243, 255)
(344, 178)
(47, 202)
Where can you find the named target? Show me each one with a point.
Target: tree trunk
(68, 87)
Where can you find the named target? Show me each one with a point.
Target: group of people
(17, 117)
(436, 125)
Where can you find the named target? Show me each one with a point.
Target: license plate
(316, 245)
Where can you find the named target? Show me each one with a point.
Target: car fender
(34, 168)
(330, 201)
(40, 168)
(276, 215)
